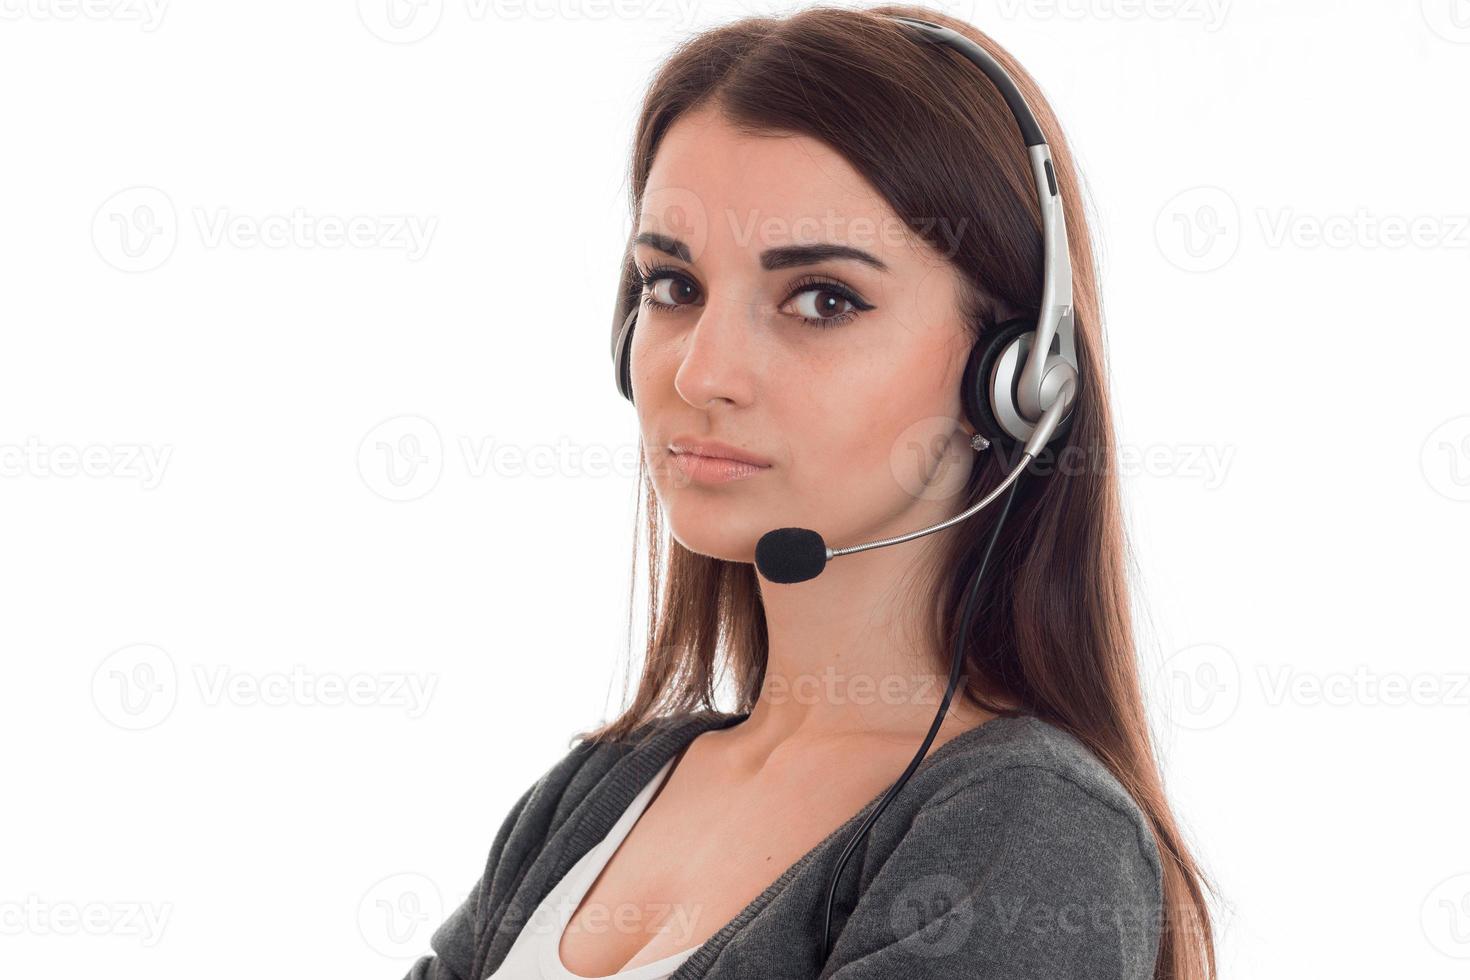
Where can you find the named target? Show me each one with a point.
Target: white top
(536, 953)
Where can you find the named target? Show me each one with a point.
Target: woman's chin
(724, 539)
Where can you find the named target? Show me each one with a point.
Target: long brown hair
(1052, 635)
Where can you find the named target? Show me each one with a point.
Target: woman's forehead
(713, 182)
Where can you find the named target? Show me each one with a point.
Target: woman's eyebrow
(785, 257)
(665, 244)
(794, 255)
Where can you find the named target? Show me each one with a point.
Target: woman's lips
(713, 469)
(714, 448)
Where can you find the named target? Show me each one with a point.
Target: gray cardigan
(1010, 854)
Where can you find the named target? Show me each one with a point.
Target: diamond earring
(979, 443)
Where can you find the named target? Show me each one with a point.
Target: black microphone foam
(790, 554)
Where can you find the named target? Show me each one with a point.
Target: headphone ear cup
(979, 387)
(622, 355)
(975, 388)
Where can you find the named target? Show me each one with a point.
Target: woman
(831, 215)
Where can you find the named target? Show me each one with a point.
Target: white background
(202, 532)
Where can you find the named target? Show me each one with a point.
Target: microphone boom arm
(1039, 437)
(978, 505)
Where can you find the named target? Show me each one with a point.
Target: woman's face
(799, 321)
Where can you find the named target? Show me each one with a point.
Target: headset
(1018, 387)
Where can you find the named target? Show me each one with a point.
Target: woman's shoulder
(1027, 748)
(1026, 844)
(1035, 771)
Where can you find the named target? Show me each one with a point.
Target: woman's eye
(666, 290)
(826, 304)
(817, 303)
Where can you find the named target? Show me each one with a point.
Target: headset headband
(1054, 321)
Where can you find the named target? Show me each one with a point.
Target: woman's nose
(718, 355)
